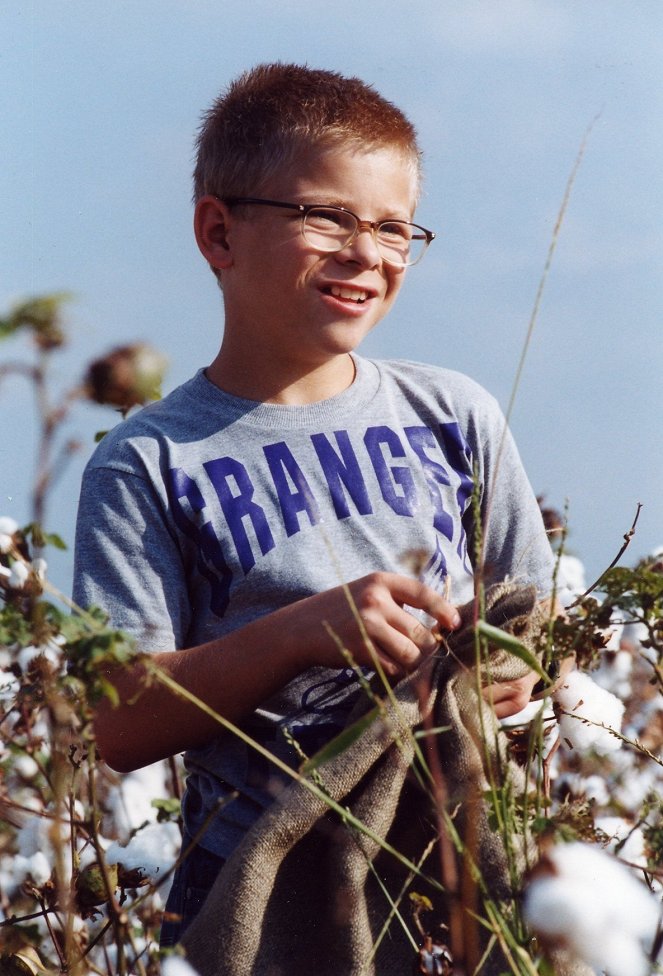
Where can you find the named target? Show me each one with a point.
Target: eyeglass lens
(399, 243)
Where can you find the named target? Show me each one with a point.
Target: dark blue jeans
(193, 880)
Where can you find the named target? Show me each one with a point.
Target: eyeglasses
(330, 229)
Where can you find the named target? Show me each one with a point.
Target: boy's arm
(238, 672)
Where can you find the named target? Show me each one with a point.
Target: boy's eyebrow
(329, 201)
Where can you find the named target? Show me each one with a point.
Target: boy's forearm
(232, 675)
(237, 673)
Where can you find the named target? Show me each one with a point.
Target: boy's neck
(287, 383)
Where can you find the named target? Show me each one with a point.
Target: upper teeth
(357, 294)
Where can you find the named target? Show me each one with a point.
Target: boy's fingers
(509, 697)
(423, 597)
(401, 640)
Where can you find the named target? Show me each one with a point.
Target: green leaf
(513, 646)
(55, 540)
(110, 692)
(339, 743)
(35, 532)
(168, 809)
(99, 436)
(7, 328)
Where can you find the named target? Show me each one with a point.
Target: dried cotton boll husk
(587, 902)
(581, 698)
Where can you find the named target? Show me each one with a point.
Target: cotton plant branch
(627, 541)
(633, 743)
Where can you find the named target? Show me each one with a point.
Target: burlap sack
(304, 893)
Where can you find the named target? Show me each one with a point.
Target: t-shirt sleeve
(127, 561)
(515, 542)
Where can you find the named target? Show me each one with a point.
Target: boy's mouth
(347, 294)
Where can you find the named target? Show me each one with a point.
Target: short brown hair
(273, 112)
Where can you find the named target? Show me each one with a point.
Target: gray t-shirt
(204, 511)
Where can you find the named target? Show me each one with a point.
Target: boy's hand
(375, 604)
(509, 697)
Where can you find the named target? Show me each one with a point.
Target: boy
(219, 525)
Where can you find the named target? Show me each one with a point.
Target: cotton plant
(55, 877)
(586, 902)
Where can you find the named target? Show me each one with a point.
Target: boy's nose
(363, 248)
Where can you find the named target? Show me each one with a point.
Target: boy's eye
(328, 220)
(396, 230)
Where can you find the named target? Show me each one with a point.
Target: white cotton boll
(35, 866)
(615, 673)
(7, 529)
(633, 633)
(9, 686)
(152, 850)
(28, 800)
(614, 634)
(583, 699)
(40, 833)
(8, 525)
(618, 831)
(18, 575)
(570, 579)
(131, 800)
(637, 782)
(21, 868)
(592, 787)
(39, 568)
(9, 880)
(526, 715)
(594, 906)
(177, 966)
(6, 542)
(30, 837)
(26, 767)
(40, 869)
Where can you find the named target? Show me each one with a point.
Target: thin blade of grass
(340, 743)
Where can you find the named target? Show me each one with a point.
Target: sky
(99, 107)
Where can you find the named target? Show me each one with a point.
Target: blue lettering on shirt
(421, 438)
(210, 561)
(238, 507)
(283, 466)
(253, 510)
(343, 470)
(405, 501)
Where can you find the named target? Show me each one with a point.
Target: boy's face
(295, 303)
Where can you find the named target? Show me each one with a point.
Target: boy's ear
(211, 221)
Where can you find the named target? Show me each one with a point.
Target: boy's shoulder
(177, 416)
(447, 385)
